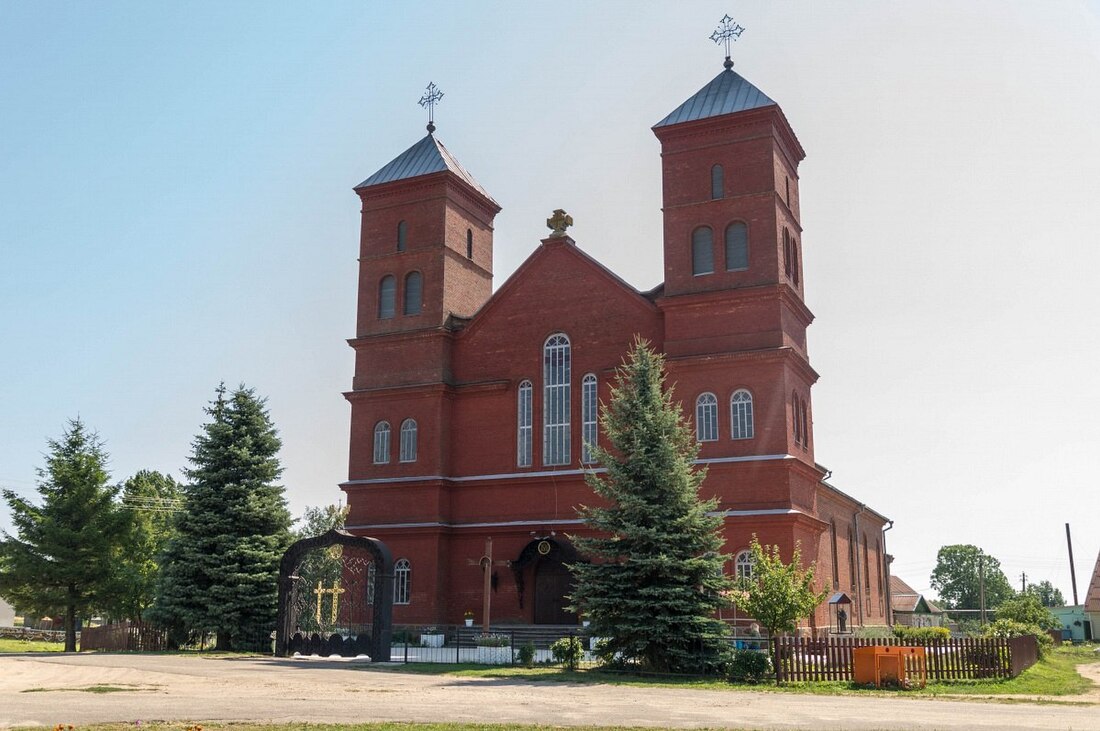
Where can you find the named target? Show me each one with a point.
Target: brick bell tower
(425, 264)
(733, 290)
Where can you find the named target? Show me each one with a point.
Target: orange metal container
(892, 664)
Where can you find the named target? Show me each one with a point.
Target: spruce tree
(57, 563)
(220, 571)
(655, 581)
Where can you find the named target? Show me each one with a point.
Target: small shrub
(568, 651)
(527, 654)
(749, 666)
(1011, 628)
(921, 634)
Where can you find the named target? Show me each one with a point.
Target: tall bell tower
(733, 284)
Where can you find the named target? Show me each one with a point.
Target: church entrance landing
(542, 567)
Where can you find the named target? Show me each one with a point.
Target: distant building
(472, 411)
(910, 608)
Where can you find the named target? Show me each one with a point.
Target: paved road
(201, 688)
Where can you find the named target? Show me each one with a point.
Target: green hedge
(921, 634)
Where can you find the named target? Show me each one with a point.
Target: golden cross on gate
(336, 591)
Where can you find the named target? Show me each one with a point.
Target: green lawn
(7, 645)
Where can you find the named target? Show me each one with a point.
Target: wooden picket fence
(124, 637)
(805, 659)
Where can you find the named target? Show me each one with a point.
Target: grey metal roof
(424, 158)
(727, 93)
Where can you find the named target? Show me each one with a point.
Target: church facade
(471, 410)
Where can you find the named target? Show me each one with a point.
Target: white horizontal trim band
(548, 473)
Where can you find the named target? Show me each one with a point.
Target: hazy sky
(176, 210)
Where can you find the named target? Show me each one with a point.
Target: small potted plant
(431, 637)
(469, 617)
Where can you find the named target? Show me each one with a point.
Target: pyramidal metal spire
(727, 32)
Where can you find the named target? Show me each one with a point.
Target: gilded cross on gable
(428, 101)
(558, 222)
(727, 32)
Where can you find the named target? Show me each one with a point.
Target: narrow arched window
(382, 442)
(525, 421)
(794, 261)
(737, 246)
(387, 289)
(402, 232)
(469, 243)
(743, 565)
(408, 440)
(717, 182)
(702, 251)
(413, 293)
(803, 411)
(402, 581)
(851, 559)
(836, 561)
(741, 426)
(787, 252)
(556, 365)
(706, 417)
(878, 566)
(588, 417)
(866, 565)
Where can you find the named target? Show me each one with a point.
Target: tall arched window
(382, 442)
(525, 430)
(402, 231)
(803, 411)
(794, 260)
(387, 290)
(836, 561)
(737, 246)
(412, 293)
(881, 576)
(469, 243)
(555, 403)
(741, 425)
(787, 257)
(866, 565)
(717, 182)
(402, 581)
(702, 251)
(851, 559)
(796, 418)
(408, 440)
(706, 417)
(743, 565)
(588, 417)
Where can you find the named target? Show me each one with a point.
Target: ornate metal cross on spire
(428, 101)
(727, 32)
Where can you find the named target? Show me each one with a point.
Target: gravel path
(170, 687)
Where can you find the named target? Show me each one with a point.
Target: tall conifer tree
(656, 581)
(221, 569)
(58, 560)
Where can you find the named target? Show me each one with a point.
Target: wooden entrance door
(552, 583)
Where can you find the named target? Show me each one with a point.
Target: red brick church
(471, 409)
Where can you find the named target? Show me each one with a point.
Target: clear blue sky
(176, 210)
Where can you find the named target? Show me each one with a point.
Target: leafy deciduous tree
(656, 581)
(1049, 596)
(778, 594)
(956, 578)
(56, 562)
(1028, 609)
(220, 570)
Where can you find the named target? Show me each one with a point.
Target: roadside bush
(921, 634)
(749, 666)
(568, 651)
(1027, 609)
(527, 654)
(1011, 628)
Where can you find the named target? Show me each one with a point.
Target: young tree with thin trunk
(655, 582)
(58, 560)
(778, 594)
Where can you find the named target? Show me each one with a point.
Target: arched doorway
(543, 565)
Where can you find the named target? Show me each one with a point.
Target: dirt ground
(50, 689)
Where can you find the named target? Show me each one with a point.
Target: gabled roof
(424, 158)
(1092, 594)
(904, 598)
(727, 93)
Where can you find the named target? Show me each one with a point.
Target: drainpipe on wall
(888, 609)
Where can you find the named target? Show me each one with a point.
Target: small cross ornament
(727, 32)
(431, 97)
(558, 222)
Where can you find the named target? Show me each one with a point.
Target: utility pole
(1072, 572)
(1023, 583)
(981, 583)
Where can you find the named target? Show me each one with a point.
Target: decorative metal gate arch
(374, 576)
